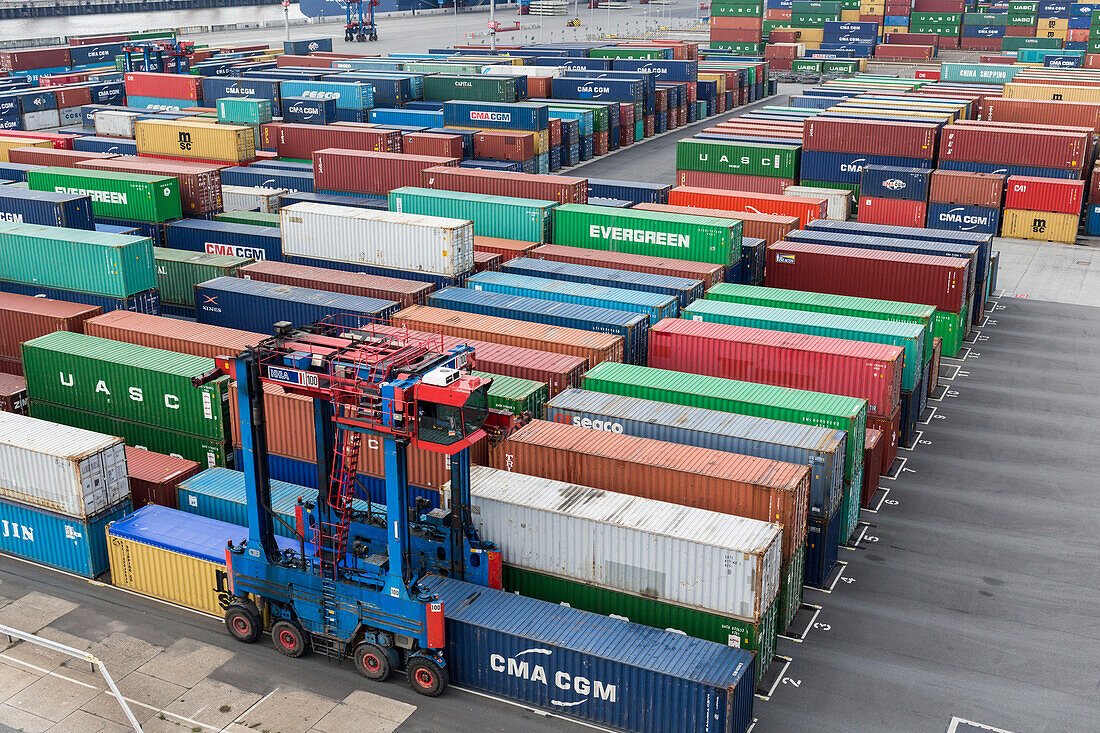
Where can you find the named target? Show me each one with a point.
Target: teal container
(78, 546)
(219, 493)
(526, 220)
(244, 110)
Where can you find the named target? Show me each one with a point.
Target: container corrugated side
(821, 449)
(684, 290)
(515, 394)
(403, 292)
(229, 143)
(153, 476)
(710, 274)
(115, 195)
(171, 334)
(62, 469)
(76, 545)
(178, 271)
(23, 317)
(493, 216)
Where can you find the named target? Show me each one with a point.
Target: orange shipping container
(769, 227)
(170, 334)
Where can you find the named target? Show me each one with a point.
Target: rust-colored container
(426, 143)
(317, 62)
(802, 361)
(53, 156)
(73, 96)
(890, 427)
(736, 22)
(563, 189)
(902, 139)
(200, 183)
(912, 39)
(966, 188)
(947, 42)
(710, 274)
(872, 466)
(589, 345)
(733, 182)
(301, 141)
(34, 58)
(780, 36)
(555, 129)
(1059, 195)
(23, 318)
(1041, 111)
(486, 261)
(806, 209)
(405, 292)
(504, 145)
(769, 227)
(154, 476)
(170, 334)
(869, 273)
(934, 370)
(87, 40)
(892, 212)
(13, 394)
(540, 87)
(731, 35)
(908, 52)
(371, 172)
(506, 248)
(1045, 148)
(747, 486)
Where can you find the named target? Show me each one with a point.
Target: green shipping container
(204, 451)
(445, 88)
(815, 6)
(740, 48)
(742, 398)
(625, 52)
(116, 265)
(517, 395)
(812, 20)
(841, 305)
(1015, 43)
(936, 18)
(254, 218)
(985, 19)
(244, 110)
(737, 10)
(790, 590)
(909, 336)
(676, 236)
(950, 31)
(1023, 6)
(839, 66)
(748, 159)
(758, 638)
(1022, 20)
(951, 328)
(115, 195)
(178, 271)
(131, 382)
(806, 66)
(527, 220)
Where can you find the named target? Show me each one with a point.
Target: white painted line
(930, 416)
(956, 367)
(778, 678)
(843, 566)
(886, 493)
(536, 711)
(916, 441)
(250, 708)
(855, 545)
(901, 468)
(953, 726)
(810, 625)
(751, 726)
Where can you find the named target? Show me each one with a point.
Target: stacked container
(966, 202)
(1044, 209)
(764, 166)
(894, 195)
(737, 25)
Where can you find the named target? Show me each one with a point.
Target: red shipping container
(869, 273)
(405, 292)
(73, 96)
(539, 87)
(563, 189)
(366, 171)
(872, 18)
(1041, 112)
(26, 59)
(53, 156)
(425, 143)
(171, 86)
(731, 35)
(927, 74)
(980, 44)
(966, 188)
(320, 62)
(806, 209)
(781, 36)
(88, 40)
(601, 141)
(733, 181)
(1020, 31)
(913, 39)
(23, 318)
(1092, 60)
(797, 360)
(555, 130)
(155, 476)
(508, 249)
(778, 65)
(301, 141)
(890, 427)
(13, 394)
(171, 334)
(781, 50)
(710, 274)
(939, 6)
(60, 140)
(902, 139)
(769, 227)
(912, 53)
(736, 22)
(58, 80)
(626, 124)
(200, 183)
(486, 261)
(872, 466)
(1057, 195)
(893, 212)
(948, 42)
(1094, 186)
(649, 125)
(504, 145)
(1077, 35)
(1045, 148)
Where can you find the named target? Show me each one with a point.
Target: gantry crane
(351, 588)
(161, 56)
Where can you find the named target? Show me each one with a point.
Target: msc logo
(893, 184)
(184, 140)
(562, 681)
(1039, 226)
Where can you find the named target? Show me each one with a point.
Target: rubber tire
(243, 623)
(417, 667)
(384, 665)
(286, 630)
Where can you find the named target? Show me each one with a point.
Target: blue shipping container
(846, 167)
(113, 145)
(306, 46)
(595, 668)
(359, 202)
(348, 95)
(251, 305)
(78, 546)
(154, 230)
(309, 111)
(268, 178)
(108, 92)
(95, 53)
(953, 217)
(754, 253)
(894, 182)
(522, 116)
(418, 117)
(283, 165)
(683, 289)
(637, 192)
(822, 546)
(225, 238)
(440, 281)
(48, 208)
(665, 69)
(389, 91)
(633, 327)
(145, 302)
(1006, 169)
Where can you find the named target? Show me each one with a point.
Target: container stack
(765, 166)
(894, 195)
(1046, 209)
(737, 26)
(966, 202)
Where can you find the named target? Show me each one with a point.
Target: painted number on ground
(869, 538)
(792, 682)
(891, 502)
(823, 627)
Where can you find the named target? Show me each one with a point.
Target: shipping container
(684, 290)
(73, 472)
(518, 396)
(179, 271)
(805, 209)
(964, 218)
(632, 327)
(53, 156)
(892, 212)
(769, 227)
(590, 346)
(177, 139)
(1044, 194)
(894, 182)
(370, 172)
(967, 188)
(72, 544)
(225, 238)
(634, 191)
(239, 200)
(821, 449)
(199, 183)
(447, 87)
(1036, 225)
(822, 545)
(302, 141)
(878, 137)
(507, 248)
(562, 189)
(493, 216)
(115, 194)
(154, 476)
(170, 334)
(708, 273)
(840, 201)
(433, 144)
(403, 292)
(13, 394)
(1047, 148)
(46, 208)
(772, 160)
(152, 386)
(171, 86)
(422, 246)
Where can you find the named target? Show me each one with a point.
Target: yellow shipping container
(1053, 24)
(720, 78)
(809, 35)
(1042, 226)
(872, 9)
(7, 143)
(229, 143)
(812, 45)
(1044, 33)
(1062, 92)
(895, 29)
(849, 16)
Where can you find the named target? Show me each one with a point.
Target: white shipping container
(41, 120)
(114, 123)
(60, 468)
(431, 244)
(70, 116)
(675, 554)
(838, 200)
(513, 70)
(252, 198)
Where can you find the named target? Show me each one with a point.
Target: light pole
(286, 17)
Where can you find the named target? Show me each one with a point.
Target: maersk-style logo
(893, 184)
(491, 116)
(565, 690)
